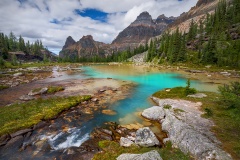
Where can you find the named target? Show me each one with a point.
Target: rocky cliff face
(85, 47)
(69, 41)
(139, 31)
(196, 13)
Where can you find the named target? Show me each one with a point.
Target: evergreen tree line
(12, 44)
(115, 57)
(209, 42)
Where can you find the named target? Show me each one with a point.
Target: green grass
(54, 89)
(178, 92)
(167, 106)
(227, 120)
(111, 150)
(20, 116)
(3, 87)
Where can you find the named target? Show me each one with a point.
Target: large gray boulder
(190, 132)
(154, 113)
(152, 155)
(146, 138)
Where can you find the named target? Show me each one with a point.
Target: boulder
(154, 113)
(190, 140)
(146, 138)
(190, 132)
(125, 142)
(38, 91)
(152, 155)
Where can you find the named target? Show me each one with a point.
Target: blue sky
(93, 14)
(53, 21)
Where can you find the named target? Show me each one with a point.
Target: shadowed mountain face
(139, 31)
(69, 41)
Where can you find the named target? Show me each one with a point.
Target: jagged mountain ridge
(139, 31)
(85, 47)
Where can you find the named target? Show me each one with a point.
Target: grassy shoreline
(21, 116)
(111, 150)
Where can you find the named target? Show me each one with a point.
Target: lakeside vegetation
(24, 115)
(223, 108)
(111, 150)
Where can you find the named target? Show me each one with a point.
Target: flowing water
(147, 82)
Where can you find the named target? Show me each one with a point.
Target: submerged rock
(16, 142)
(152, 155)
(154, 113)
(146, 138)
(109, 112)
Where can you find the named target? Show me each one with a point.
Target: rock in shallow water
(109, 112)
(146, 138)
(152, 155)
(154, 113)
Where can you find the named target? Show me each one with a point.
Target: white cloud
(31, 19)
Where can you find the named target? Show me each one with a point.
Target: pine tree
(183, 49)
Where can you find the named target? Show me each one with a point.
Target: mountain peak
(161, 16)
(87, 42)
(143, 18)
(163, 19)
(87, 37)
(69, 41)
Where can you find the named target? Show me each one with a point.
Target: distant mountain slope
(196, 13)
(85, 47)
(139, 31)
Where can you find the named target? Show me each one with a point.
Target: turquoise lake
(147, 82)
